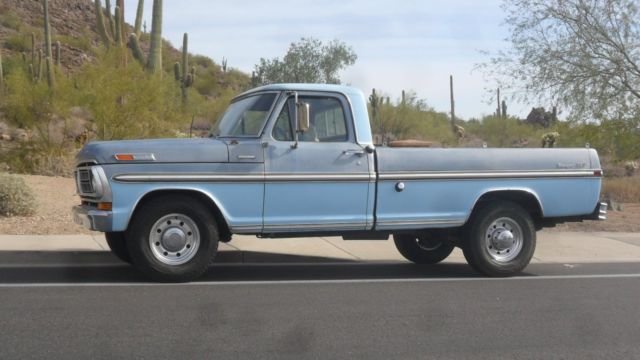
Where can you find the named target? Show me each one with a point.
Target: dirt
(56, 196)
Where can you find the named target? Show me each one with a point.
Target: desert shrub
(18, 43)
(623, 189)
(127, 102)
(16, 198)
(10, 20)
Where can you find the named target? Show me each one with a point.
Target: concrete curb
(553, 247)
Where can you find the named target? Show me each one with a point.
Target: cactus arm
(137, 51)
(50, 73)
(102, 30)
(139, 14)
(58, 54)
(177, 72)
(112, 26)
(1, 74)
(118, 34)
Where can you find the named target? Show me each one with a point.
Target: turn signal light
(105, 206)
(597, 173)
(124, 157)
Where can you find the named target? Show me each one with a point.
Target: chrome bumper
(600, 212)
(92, 219)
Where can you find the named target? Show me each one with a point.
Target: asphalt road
(90, 306)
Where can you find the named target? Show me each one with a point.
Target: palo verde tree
(307, 61)
(583, 55)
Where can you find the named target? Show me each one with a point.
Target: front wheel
(424, 248)
(173, 239)
(118, 246)
(501, 240)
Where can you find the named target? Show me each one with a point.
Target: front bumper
(92, 219)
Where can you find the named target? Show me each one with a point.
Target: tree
(580, 54)
(307, 61)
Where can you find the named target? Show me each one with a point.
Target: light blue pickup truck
(298, 160)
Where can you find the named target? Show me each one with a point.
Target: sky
(407, 45)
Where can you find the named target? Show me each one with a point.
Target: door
(323, 183)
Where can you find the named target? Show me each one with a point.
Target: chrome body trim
(417, 224)
(137, 157)
(246, 229)
(234, 177)
(95, 220)
(312, 227)
(463, 175)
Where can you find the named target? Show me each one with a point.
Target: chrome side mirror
(302, 110)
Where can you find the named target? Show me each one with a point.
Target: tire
(501, 239)
(422, 248)
(173, 239)
(118, 246)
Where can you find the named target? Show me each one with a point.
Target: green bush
(16, 198)
(11, 20)
(18, 43)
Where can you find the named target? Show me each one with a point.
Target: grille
(83, 179)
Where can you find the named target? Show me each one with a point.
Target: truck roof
(347, 90)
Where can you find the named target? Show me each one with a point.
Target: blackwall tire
(173, 239)
(118, 246)
(422, 248)
(501, 239)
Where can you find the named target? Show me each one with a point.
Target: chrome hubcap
(504, 239)
(174, 239)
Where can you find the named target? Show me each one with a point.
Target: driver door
(323, 183)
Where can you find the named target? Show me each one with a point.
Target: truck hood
(162, 150)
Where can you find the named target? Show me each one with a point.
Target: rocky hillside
(72, 22)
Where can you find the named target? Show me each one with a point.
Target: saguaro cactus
(453, 105)
(1, 73)
(120, 18)
(504, 109)
(224, 65)
(112, 25)
(182, 74)
(118, 34)
(47, 29)
(33, 48)
(139, 14)
(154, 64)
(102, 30)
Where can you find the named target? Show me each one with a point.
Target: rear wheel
(118, 245)
(501, 239)
(424, 248)
(173, 239)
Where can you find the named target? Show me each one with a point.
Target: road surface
(88, 305)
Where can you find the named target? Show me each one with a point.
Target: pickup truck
(298, 160)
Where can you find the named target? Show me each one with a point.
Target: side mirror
(302, 110)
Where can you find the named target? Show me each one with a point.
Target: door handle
(358, 152)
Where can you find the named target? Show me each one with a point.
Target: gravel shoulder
(56, 196)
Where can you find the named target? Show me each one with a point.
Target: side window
(327, 121)
(283, 130)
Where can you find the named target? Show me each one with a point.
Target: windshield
(245, 117)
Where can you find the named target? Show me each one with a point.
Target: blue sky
(411, 45)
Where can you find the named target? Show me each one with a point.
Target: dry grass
(622, 189)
